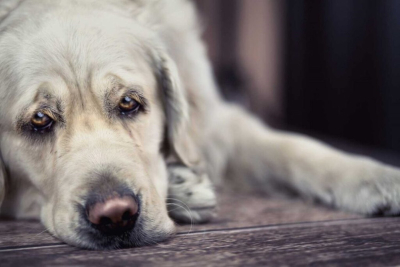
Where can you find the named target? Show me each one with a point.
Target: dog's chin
(135, 238)
(88, 237)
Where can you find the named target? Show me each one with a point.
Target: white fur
(78, 53)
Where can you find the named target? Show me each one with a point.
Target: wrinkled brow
(119, 87)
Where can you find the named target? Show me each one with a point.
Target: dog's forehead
(76, 42)
(72, 50)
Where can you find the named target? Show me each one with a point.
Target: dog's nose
(114, 215)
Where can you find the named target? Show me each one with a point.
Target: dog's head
(89, 100)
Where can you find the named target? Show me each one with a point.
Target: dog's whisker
(42, 232)
(188, 210)
(191, 226)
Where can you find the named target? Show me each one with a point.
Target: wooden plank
(24, 233)
(244, 210)
(239, 210)
(362, 242)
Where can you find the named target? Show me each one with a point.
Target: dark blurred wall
(342, 74)
(329, 67)
(245, 41)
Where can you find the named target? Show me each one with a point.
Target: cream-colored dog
(111, 119)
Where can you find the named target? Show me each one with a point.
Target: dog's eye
(128, 105)
(40, 121)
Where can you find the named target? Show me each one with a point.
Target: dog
(111, 120)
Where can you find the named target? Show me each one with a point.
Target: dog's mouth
(130, 232)
(95, 238)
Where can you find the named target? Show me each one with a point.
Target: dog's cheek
(46, 217)
(160, 177)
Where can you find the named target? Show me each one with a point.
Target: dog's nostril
(127, 215)
(105, 221)
(114, 215)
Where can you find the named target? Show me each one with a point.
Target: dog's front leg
(191, 196)
(269, 160)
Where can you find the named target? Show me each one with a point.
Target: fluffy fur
(78, 58)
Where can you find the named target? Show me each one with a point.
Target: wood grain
(362, 242)
(244, 210)
(24, 233)
(235, 211)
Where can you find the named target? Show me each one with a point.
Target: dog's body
(74, 60)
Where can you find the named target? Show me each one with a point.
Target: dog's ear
(178, 138)
(2, 181)
(6, 6)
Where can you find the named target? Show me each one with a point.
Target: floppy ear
(178, 136)
(2, 181)
(6, 6)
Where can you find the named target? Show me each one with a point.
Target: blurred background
(325, 67)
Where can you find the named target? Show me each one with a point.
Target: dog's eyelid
(120, 90)
(137, 96)
(49, 111)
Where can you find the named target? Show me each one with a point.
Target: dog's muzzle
(111, 218)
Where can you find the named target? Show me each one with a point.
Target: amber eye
(128, 105)
(41, 121)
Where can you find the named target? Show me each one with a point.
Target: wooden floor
(250, 231)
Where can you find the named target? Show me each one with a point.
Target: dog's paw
(191, 196)
(372, 189)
